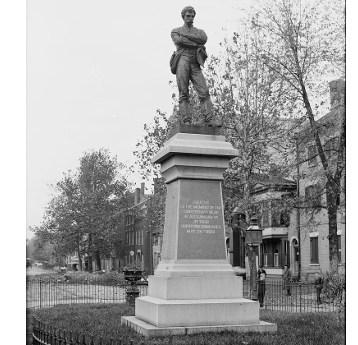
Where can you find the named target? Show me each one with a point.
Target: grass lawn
(103, 320)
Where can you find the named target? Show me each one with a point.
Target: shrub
(334, 286)
(78, 277)
(108, 278)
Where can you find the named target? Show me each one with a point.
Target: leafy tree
(30, 247)
(104, 195)
(252, 105)
(302, 43)
(42, 250)
(86, 208)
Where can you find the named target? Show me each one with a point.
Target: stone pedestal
(194, 288)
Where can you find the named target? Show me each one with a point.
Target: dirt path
(31, 271)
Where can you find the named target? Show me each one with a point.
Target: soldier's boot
(210, 119)
(184, 113)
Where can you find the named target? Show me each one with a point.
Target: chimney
(137, 196)
(337, 90)
(142, 188)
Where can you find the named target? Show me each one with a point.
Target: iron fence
(294, 297)
(45, 334)
(51, 291)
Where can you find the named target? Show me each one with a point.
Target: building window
(339, 248)
(279, 216)
(276, 260)
(314, 250)
(266, 260)
(284, 219)
(331, 147)
(312, 155)
(313, 196)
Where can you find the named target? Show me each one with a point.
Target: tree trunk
(332, 208)
(332, 185)
(89, 252)
(98, 260)
(79, 257)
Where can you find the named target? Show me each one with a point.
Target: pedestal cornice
(196, 144)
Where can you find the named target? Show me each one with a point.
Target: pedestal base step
(205, 312)
(149, 330)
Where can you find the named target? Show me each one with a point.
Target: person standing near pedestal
(261, 288)
(286, 279)
(189, 56)
(318, 283)
(259, 271)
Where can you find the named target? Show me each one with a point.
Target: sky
(96, 72)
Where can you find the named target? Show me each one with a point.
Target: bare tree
(302, 43)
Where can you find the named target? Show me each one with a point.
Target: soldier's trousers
(188, 69)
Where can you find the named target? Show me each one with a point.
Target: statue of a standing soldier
(189, 56)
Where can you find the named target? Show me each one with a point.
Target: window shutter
(314, 250)
(311, 153)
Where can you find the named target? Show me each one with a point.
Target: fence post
(55, 334)
(48, 333)
(300, 285)
(64, 338)
(49, 292)
(41, 332)
(40, 293)
(33, 330)
(71, 339)
(59, 337)
(51, 335)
